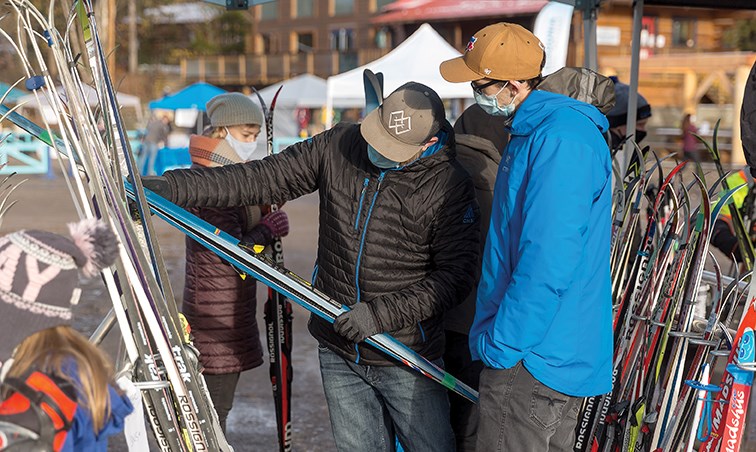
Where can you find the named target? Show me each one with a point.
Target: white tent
(302, 91)
(416, 59)
(124, 100)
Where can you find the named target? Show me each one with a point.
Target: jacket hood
(540, 104)
(473, 143)
(480, 158)
(476, 122)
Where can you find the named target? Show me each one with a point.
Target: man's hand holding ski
(357, 324)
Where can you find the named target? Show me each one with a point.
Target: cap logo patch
(399, 122)
(487, 71)
(471, 44)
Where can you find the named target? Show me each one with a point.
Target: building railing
(264, 69)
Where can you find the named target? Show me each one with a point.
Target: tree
(742, 36)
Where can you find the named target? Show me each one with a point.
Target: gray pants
(520, 414)
(222, 388)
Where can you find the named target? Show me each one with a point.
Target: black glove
(159, 185)
(357, 324)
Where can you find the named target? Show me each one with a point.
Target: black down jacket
(406, 241)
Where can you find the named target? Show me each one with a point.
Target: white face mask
(243, 149)
(490, 104)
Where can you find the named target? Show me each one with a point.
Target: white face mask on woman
(243, 149)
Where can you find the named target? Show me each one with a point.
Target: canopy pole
(329, 105)
(590, 59)
(632, 101)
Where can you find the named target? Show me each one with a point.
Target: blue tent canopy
(193, 96)
(13, 95)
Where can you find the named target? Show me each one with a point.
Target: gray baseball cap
(407, 119)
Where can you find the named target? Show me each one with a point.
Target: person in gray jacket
(480, 139)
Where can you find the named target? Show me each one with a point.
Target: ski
(293, 287)
(742, 379)
(278, 320)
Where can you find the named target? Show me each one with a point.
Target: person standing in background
(690, 144)
(155, 137)
(219, 305)
(480, 138)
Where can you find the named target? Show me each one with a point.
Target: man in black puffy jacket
(399, 243)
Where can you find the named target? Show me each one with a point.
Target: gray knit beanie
(233, 109)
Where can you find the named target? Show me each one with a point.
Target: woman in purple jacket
(219, 305)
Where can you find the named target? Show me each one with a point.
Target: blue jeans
(371, 405)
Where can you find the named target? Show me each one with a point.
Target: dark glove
(158, 185)
(271, 226)
(277, 222)
(356, 324)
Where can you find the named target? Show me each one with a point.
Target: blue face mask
(380, 161)
(490, 104)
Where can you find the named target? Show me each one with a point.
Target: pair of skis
(278, 320)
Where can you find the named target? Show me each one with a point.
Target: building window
(304, 42)
(304, 8)
(269, 11)
(265, 42)
(383, 38)
(343, 7)
(342, 39)
(684, 32)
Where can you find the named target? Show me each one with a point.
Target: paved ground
(46, 204)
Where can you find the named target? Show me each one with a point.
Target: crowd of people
(404, 197)
(483, 246)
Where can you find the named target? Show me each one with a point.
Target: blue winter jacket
(544, 296)
(82, 436)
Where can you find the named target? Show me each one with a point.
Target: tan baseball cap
(405, 121)
(500, 51)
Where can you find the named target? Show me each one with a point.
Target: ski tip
(275, 98)
(262, 101)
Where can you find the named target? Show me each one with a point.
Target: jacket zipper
(362, 198)
(364, 233)
(362, 244)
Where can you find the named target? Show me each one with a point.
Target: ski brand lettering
(149, 360)
(192, 423)
(737, 408)
(584, 422)
(158, 429)
(716, 416)
(271, 344)
(185, 375)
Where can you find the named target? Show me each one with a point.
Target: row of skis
(101, 173)
(683, 331)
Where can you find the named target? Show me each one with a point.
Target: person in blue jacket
(543, 321)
